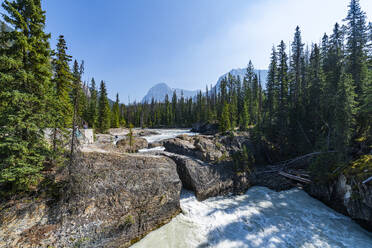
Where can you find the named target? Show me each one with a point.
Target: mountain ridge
(160, 90)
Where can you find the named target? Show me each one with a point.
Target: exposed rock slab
(137, 144)
(206, 179)
(112, 201)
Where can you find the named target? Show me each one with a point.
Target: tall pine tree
(26, 93)
(103, 109)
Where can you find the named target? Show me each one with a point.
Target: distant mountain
(241, 73)
(159, 91)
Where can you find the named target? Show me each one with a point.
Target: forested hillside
(317, 98)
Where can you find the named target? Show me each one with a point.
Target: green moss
(224, 157)
(129, 220)
(360, 168)
(80, 242)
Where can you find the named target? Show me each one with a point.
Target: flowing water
(259, 218)
(164, 134)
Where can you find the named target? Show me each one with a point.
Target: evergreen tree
(93, 111)
(295, 84)
(296, 100)
(345, 113)
(115, 120)
(283, 91)
(333, 70)
(174, 109)
(357, 38)
(225, 123)
(272, 87)
(103, 109)
(63, 84)
(122, 116)
(62, 105)
(245, 117)
(25, 96)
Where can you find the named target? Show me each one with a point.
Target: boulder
(180, 146)
(155, 144)
(202, 147)
(138, 143)
(208, 180)
(111, 201)
(208, 149)
(145, 132)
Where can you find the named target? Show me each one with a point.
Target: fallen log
(293, 160)
(367, 180)
(293, 177)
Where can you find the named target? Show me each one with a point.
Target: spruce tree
(93, 110)
(272, 88)
(103, 109)
(122, 116)
(63, 84)
(225, 124)
(26, 94)
(345, 113)
(62, 105)
(296, 100)
(115, 120)
(245, 116)
(283, 109)
(334, 68)
(316, 88)
(357, 38)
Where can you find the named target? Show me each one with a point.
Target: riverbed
(259, 218)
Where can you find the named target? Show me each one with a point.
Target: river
(259, 218)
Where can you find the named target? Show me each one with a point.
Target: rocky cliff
(111, 201)
(349, 193)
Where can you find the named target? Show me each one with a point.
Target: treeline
(317, 98)
(234, 102)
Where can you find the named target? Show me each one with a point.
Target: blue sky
(134, 44)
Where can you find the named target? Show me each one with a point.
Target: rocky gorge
(114, 198)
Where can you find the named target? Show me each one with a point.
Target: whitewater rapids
(259, 218)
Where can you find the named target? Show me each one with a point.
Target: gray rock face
(155, 144)
(112, 201)
(348, 196)
(180, 146)
(205, 148)
(204, 164)
(208, 180)
(138, 143)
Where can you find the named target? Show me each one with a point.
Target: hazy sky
(134, 44)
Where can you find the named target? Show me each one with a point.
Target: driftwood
(293, 160)
(367, 180)
(293, 177)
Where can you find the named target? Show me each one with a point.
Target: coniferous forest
(78, 169)
(318, 97)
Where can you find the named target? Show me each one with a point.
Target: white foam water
(259, 218)
(164, 134)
